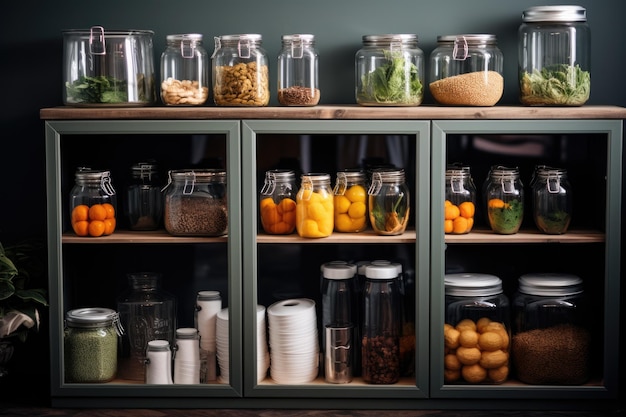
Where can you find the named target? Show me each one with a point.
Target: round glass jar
(552, 200)
(505, 200)
(90, 344)
(339, 301)
(314, 206)
(551, 341)
(196, 203)
(277, 202)
(460, 200)
(554, 47)
(466, 70)
(390, 71)
(477, 332)
(144, 199)
(184, 71)
(350, 201)
(389, 202)
(298, 82)
(240, 71)
(93, 203)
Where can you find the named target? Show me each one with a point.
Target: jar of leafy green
(390, 71)
(505, 200)
(552, 200)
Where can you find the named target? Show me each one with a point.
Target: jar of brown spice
(298, 83)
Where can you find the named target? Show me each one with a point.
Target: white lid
(208, 295)
(378, 271)
(338, 271)
(472, 284)
(550, 284)
(187, 333)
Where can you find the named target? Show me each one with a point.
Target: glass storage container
(476, 330)
(466, 70)
(240, 71)
(298, 82)
(389, 202)
(184, 71)
(93, 203)
(144, 199)
(552, 200)
(277, 202)
(350, 201)
(460, 200)
(314, 206)
(505, 200)
(554, 56)
(390, 71)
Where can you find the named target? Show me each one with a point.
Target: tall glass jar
(505, 200)
(350, 201)
(184, 71)
(552, 200)
(298, 82)
(460, 200)
(93, 203)
(390, 71)
(277, 202)
(466, 70)
(196, 203)
(554, 56)
(240, 71)
(389, 202)
(144, 200)
(477, 329)
(314, 206)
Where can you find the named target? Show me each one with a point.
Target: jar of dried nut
(298, 83)
(184, 71)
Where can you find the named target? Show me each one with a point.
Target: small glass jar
(477, 330)
(298, 82)
(240, 71)
(277, 202)
(93, 203)
(551, 342)
(90, 344)
(460, 200)
(196, 203)
(390, 71)
(184, 71)
(144, 199)
(350, 201)
(505, 200)
(552, 200)
(314, 206)
(389, 202)
(554, 56)
(466, 70)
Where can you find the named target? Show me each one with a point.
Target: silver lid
(472, 284)
(555, 14)
(302, 37)
(253, 37)
(197, 37)
(371, 40)
(472, 39)
(550, 284)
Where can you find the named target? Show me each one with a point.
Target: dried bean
(298, 96)
(198, 216)
(380, 359)
(185, 92)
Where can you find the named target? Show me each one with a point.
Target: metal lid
(90, 317)
(550, 284)
(88, 174)
(555, 14)
(304, 37)
(108, 32)
(371, 40)
(338, 271)
(472, 39)
(381, 271)
(254, 37)
(184, 37)
(472, 284)
(200, 175)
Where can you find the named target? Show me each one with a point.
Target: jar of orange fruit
(314, 206)
(93, 203)
(350, 201)
(277, 202)
(460, 200)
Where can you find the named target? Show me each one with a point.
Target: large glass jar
(184, 71)
(93, 203)
(240, 71)
(196, 203)
(476, 330)
(390, 71)
(389, 202)
(314, 206)
(460, 200)
(298, 82)
(350, 201)
(144, 199)
(552, 200)
(554, 56)
(466, 70)
(277, 202)
(505, 200)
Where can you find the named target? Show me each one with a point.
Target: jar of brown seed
(184, 71)
(298, 83)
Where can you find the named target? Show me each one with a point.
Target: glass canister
(298, 82)
(184, 71)
(314, 206)
(144, 199)
(350, 201)
(277, 202)
(460, 200)
(552, 200)
(196, 203)
(554, 56)
(93, 203)
(551, 341)
(505, 200)
(240, 71)
(466, 70)
(90, 344)
(381, 326)
(108, 67)
(389, 202)
(390, 71)
(477, 330)
(338, 296)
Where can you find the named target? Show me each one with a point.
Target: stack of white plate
(294, 344)
(262, 350)
(221, 343)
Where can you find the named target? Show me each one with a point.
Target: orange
(80, 213)
(470, 223)
(459, 225)
(466, 209)
(448, 226)
(289, 217)
(495, 203)
(286, 205)
(451, 212)
(357, 210)
(110, 210)
(96, 228)
(343, 223)
(109, 226)
(356, 193)
(97, 212)
(266, 202)
(447, 203)
(342, 204)
(81, 227)
(269, 214)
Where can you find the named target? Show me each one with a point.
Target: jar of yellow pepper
(350, 201)
(314, 206)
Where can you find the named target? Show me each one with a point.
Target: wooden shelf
(126, 236)
(526, 236)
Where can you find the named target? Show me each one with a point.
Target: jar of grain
(390, 71)
(350, 201)
(505, 200)
(184, 71)
(554, 46)
(551, 342)
(90, 344)
(93, 203)
(476, 329)
(460, 200)
(466, 70)
(277, 202)
(389, 201)
(196, 203)
(240, 71)
(144, 200)
(314, 206)
(552, 200)
(298, 82)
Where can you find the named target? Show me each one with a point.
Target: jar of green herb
(505, 200)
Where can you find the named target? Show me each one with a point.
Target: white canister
(158, 362)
